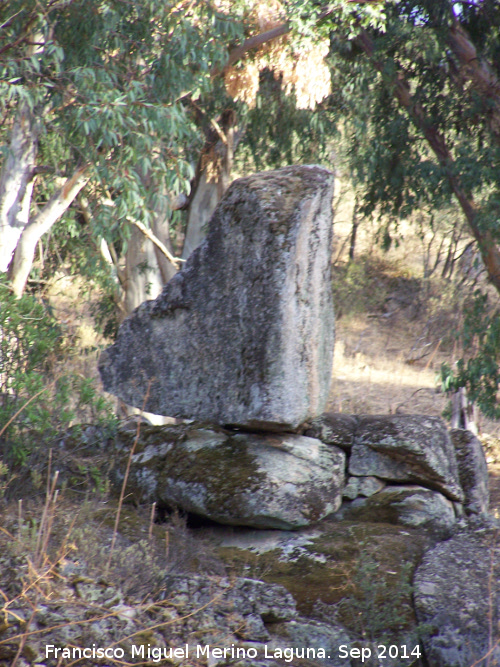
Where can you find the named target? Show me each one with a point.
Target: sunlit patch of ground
(371, 374)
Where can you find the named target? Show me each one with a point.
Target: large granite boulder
(244, 333)
(267, 481)
(413, 448)
(457, 598)
(472, 470)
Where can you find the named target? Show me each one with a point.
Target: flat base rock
(281, 481)
(353, 578)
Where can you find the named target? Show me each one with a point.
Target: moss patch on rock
(356, 573)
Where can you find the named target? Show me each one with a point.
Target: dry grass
(72, 580)
(367, 382)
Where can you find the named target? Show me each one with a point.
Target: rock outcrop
(376, 573)
(353, 577)
(457, 598)
(244, 333)
(407, 505)
(407, 449)
(267, 481)
(249, 604)
(394, 469)
(472, 470)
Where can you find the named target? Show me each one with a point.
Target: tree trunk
(487, 245)
(213, 177)
(464, 413)
(207, 195)
(147, 269)
(478, 73)
(16, 183)
(60, 201)
(354, 230)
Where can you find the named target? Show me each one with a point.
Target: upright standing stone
(244, 333)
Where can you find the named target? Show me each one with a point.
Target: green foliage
(388, 154)
(278, 134)
(479, 371)
(107, 82)
(38, 399)
(388, 140)
(4, 477)
(72, 245)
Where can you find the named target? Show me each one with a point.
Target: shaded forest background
(122, 124)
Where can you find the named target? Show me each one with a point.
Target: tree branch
(254, 42)
(267, 36)
(485, 240)
(176, 261)
(478, 71)
(60, 201)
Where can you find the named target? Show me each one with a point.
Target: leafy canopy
(107, 81)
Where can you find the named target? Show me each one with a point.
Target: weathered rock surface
(408, 505)
(407, 449)
(249, 604)
(244, 333)
(458, 599)
(253, 614)
(362, 486)
(352, 577)
(333, 428)
(472, 470)
(303, 634)
(267, 481)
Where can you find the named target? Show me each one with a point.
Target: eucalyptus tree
(107, 101)
(422, 99)
(419, 87)
(91, 97)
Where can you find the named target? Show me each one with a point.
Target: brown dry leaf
(303, 71)
(242, 83)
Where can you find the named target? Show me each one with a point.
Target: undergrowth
(72, 576)
(40, 397)
(368, 284)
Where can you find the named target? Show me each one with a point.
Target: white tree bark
(60, 201)
(214, 177)
(208, 194)
(16, 183)
(147, 268)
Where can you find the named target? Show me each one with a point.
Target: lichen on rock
(244, 333)
(268, 481)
